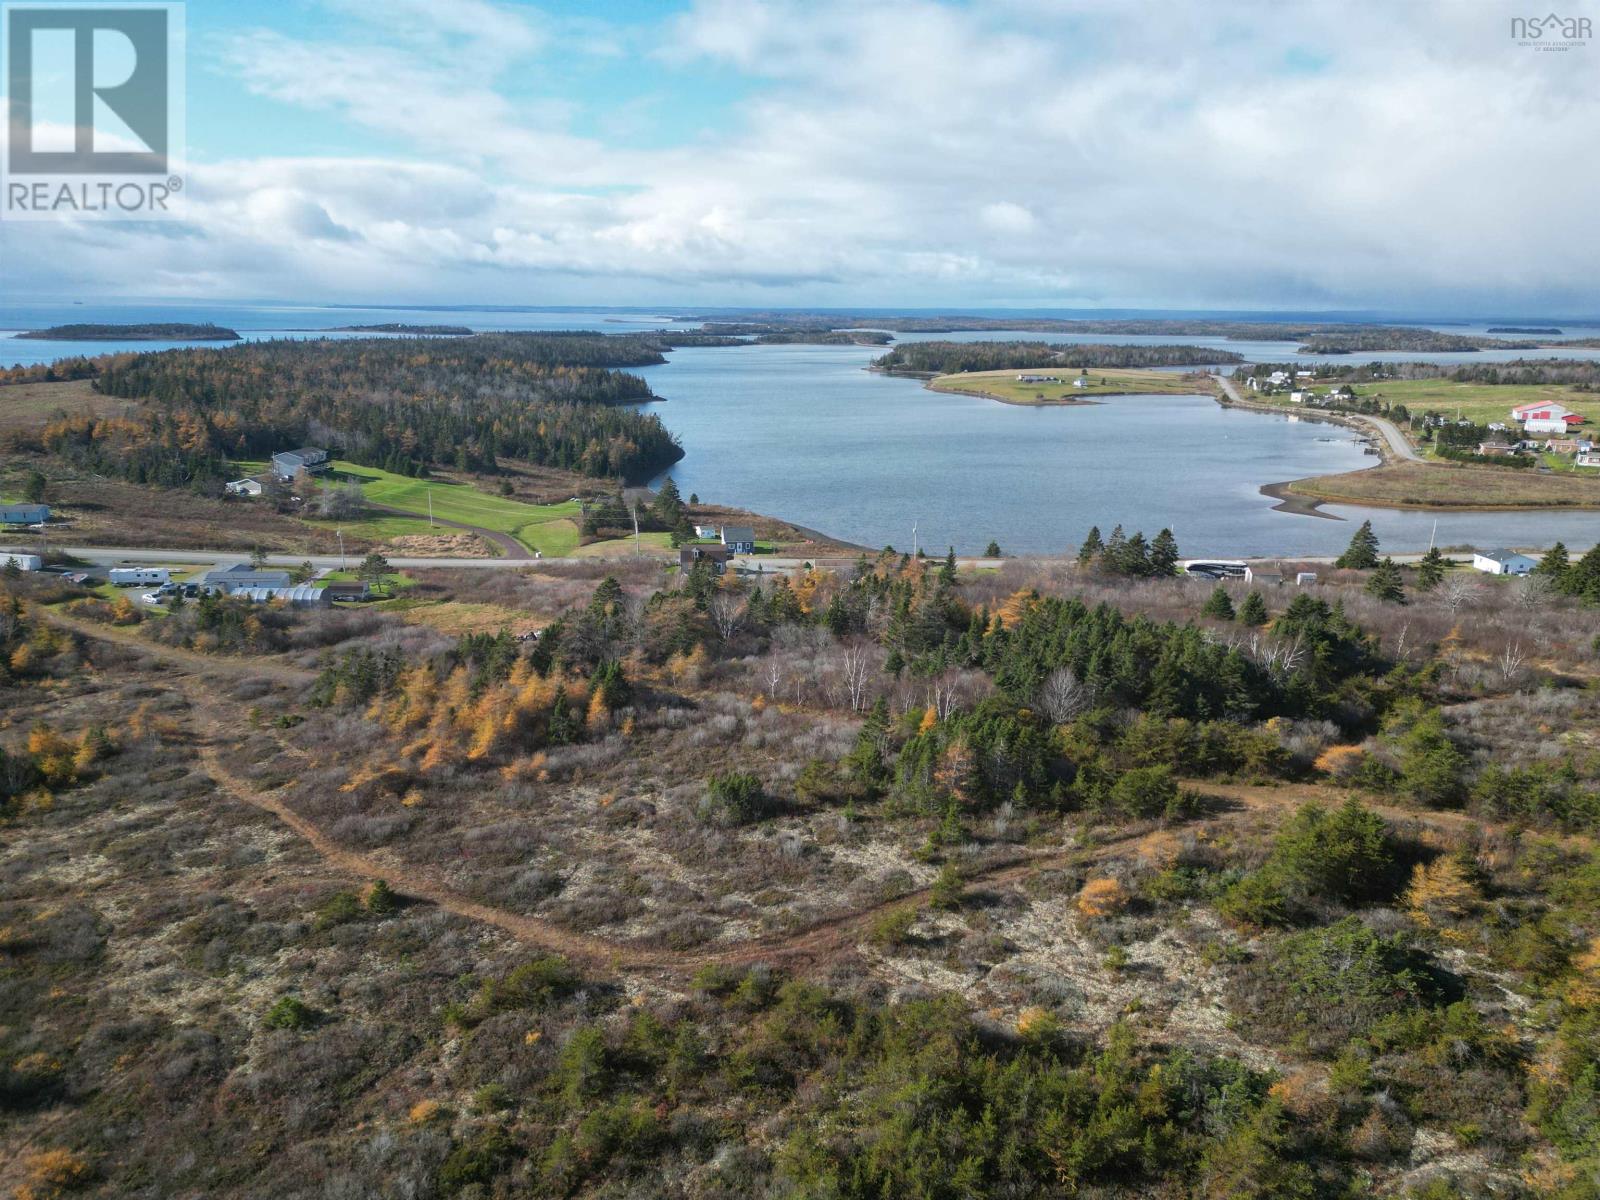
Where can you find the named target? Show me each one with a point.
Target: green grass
(551, 529)
(1481, 403)
(1004, 385)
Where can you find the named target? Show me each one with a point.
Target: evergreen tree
(372, 570)
(1164, 555)
(1254, 610)
(1430, 571)
(1362, 553)
(1091, 548)
(1135, 557)
(1583, 578)
(1219, 606)
(1555, 563)
(867, 762)
(992, 550)
(947, 573)
(668, 504)
(1386, 584)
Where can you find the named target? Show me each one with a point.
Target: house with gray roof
(24, 514)
(739, 539)
(286, 464)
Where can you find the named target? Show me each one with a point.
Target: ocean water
(808, 434)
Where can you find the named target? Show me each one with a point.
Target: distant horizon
(1030, 312)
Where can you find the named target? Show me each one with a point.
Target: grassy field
(30, 405)
(652, 545)
(1478, 402)
(1446, 485)
(1004, 385)
(549, 528)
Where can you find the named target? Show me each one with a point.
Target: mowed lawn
(549, 528)
(1120, 381)
(1481, 403)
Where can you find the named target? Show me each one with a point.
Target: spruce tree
(1254, 610)
(1134, 558)
(947, 573)
(1430, 571)
(1219, 606)
(992, 550)
(1362, 553)
(668, 503)
(1386, 584)
(1090, 550)
(1164, 555)
(1583, 578)
(1555, 563)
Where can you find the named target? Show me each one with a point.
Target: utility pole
(913, 539)
(340, 534)
(430, 508)
(633, 511)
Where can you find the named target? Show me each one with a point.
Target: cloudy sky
(1398, 155)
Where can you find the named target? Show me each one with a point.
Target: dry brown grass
(1442, 485)
(26, 406)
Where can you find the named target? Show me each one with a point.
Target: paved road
(109, 555)
(1398, 445)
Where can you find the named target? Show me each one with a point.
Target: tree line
(402, 405)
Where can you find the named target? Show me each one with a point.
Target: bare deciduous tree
(1063, 696)
(727, 613)
(1457, 593)
(772, 669)
(1512, 660)
(857, 668)
(1533, 591)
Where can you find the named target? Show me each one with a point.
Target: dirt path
(407, 882)
(191, 660)
(822, 939)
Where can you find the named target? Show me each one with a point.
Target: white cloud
(1016, 151)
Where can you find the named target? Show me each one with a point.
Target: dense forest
(946, 358)
(550, 399)
(177, 331)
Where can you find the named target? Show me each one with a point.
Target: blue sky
(1044, 153)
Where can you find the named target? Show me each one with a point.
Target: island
(1521, 329)
(156, 332)
(1063, 387)
(419, 330)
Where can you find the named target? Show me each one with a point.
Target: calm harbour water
(807, 434)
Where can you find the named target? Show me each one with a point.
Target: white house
(22, 562)
(245, 487)
(1503, 562)
(1587, 460)
(1297, 397)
